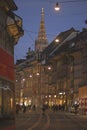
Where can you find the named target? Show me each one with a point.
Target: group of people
(20, 108)
(53, 108)
(23, 108)
(58, 107)
(44, 107)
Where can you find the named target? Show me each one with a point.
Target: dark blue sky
(71, 14)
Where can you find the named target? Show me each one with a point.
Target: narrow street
(34, 120)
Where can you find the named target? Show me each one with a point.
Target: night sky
(73, 13)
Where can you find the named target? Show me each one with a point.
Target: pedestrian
(24, 109)
(34, 107)
(17, 108)
(43, 110)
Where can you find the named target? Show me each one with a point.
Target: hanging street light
(57, 8)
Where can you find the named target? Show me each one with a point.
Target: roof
(54, 46)
(72, 45)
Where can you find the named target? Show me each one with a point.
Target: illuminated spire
(41, 41)
(42, 32)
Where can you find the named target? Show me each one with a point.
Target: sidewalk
(74, 114)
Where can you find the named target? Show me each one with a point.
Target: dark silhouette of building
(10, 32)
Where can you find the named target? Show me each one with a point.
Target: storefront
(6, 99)
(83, 100)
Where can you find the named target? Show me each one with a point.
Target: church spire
(41, 41)
(42, 32)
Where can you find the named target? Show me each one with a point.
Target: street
(34, 120)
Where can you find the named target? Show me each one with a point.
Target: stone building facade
(62, 71)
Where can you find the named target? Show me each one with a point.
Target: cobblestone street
(51, 121)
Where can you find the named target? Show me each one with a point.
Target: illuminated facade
(28, 91)
(61, 69)
(69, 60)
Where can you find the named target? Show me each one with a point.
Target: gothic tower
(41, 42)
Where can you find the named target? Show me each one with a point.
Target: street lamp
(30, 76)
(56, 40)
(49, 68)
(37, 73)
(57, 8)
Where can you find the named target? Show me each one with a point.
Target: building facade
(10, 32)
(61, 70)
(27, 83)
(68, 74)
(57, 74)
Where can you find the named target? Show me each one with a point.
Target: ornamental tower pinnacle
(41, 43)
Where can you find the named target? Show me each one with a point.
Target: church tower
(41, 42)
